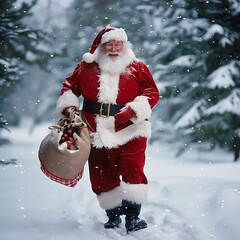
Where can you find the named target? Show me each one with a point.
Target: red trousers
(108, 167)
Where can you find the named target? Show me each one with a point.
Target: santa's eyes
(110, 46)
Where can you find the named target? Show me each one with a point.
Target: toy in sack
(64, 152)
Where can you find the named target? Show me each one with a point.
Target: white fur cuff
(134, 192)
(142, 108)
(110, 199)
(67, 99)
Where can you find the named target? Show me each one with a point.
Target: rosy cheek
(105, 50)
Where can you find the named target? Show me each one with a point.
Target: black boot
(113, 217)
(132, 211)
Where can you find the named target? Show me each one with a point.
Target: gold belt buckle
(101, 109)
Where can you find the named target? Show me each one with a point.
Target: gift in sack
(64, 152)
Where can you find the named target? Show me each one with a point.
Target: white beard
(116, 65)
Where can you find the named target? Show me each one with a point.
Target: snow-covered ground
(194, 197)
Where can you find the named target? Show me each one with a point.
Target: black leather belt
(103, 109)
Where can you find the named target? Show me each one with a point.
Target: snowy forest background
(191, 46)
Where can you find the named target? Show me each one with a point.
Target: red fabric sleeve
(70, 82)
(149, 87)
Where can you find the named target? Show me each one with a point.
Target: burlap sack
(60, 163)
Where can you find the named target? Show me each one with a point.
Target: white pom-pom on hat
(88, 57)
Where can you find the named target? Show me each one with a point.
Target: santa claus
(119, 93)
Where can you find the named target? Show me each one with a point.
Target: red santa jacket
(134, 87)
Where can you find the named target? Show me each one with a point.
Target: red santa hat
(106, 34)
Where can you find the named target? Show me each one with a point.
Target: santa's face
(114, 56)
(112, 48)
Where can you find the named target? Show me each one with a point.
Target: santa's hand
(70, 112)
(123, 116)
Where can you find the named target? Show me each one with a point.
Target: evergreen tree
(19, 45)
(199, 69)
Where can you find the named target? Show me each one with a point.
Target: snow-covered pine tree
(199, 69)
(19, 45)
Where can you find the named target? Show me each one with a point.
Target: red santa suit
(117, 157)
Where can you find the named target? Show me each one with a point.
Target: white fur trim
(134, 192)
(116, 34)
(108, 89)
(142, 108)
(107, 137)
(67, 99)
(110, 199)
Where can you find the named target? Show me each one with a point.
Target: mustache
(113, 53)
